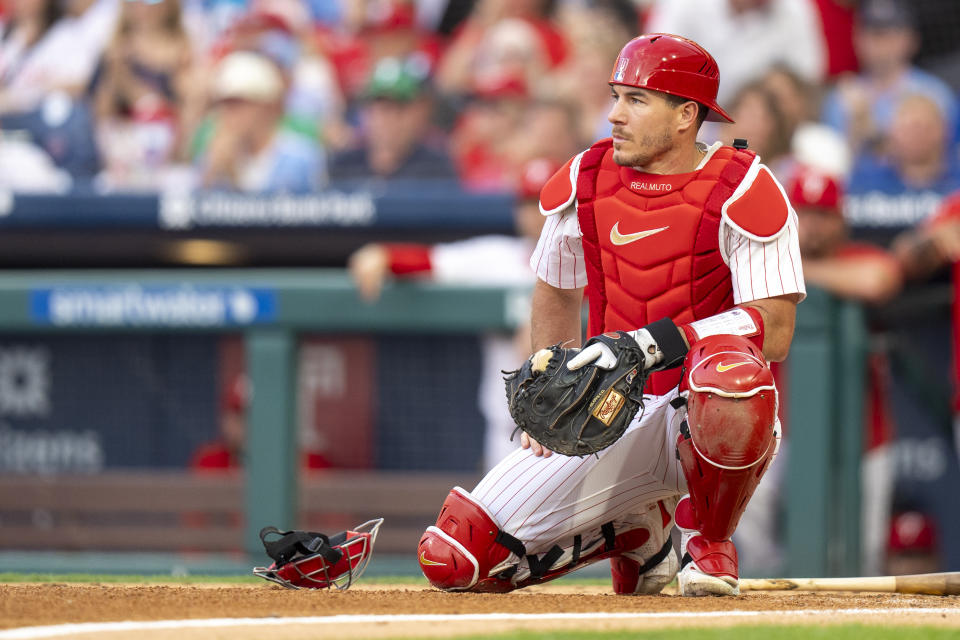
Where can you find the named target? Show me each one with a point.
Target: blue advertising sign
(133, 305)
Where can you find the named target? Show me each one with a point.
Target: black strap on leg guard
(577, 546)
(658, 557)
(540, 566)
(512, 544)
(609, 536)
(292, 543)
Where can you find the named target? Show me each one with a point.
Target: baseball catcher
(687, 255)
(310, 560)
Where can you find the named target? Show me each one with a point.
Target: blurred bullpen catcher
(689, 258)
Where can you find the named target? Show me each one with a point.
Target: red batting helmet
(671, 64)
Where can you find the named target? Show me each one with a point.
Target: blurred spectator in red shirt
(370, 31)
(847, 270)
(836, 24)
(228, 451)
(482, 139)
(912, 544)
(502, 38)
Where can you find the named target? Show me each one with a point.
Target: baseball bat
(936, 584)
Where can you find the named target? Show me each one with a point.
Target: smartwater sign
(156, 305)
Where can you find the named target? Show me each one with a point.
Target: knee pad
(464, 548)
(729, 436)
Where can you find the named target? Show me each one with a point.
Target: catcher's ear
(540, 360)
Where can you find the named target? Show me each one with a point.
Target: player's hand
(369, 266)
(597, 354)
(526, 442)
(600, 355)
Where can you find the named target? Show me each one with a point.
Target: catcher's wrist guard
(668, 343)
(580, 411)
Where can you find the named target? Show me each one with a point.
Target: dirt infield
(23, 605)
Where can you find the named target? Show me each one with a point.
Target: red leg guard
(465, 551)
(462, 551)
(640, 570)
(731, 418)
(718, 557)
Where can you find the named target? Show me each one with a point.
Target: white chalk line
(54, 631)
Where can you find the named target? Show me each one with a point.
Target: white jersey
(483, 261)
(758, 268)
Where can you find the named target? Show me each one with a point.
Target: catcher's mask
(310, 560)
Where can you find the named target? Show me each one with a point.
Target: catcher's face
(645, 126)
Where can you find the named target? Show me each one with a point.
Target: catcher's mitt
(581, 411)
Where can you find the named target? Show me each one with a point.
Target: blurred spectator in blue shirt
(248, 147)
(395, 121)
(901, 186)
(861, 107)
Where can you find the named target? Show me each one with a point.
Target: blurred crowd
(853, 104)
(292, 95)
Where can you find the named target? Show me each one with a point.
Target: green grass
(831, 632)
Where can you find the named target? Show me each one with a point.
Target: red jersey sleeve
(408, 258)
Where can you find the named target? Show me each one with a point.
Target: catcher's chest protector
(651, 242)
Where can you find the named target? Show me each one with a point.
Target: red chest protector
(651, 243)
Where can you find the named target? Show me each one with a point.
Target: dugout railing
(272, 307)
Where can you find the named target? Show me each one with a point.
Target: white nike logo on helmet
(618, 238)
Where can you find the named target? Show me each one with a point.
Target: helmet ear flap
(310, 560)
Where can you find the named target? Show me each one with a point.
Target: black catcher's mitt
(581, 411)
